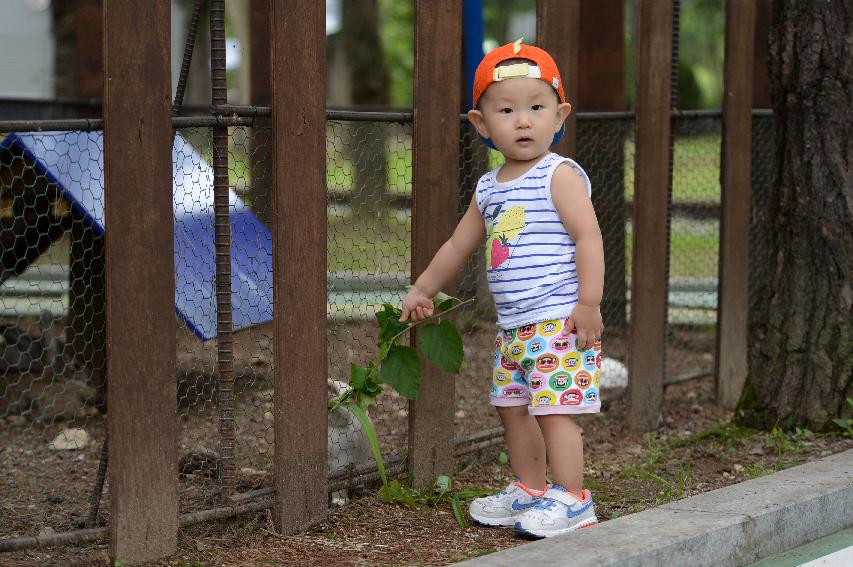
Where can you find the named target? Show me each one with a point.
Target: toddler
(545, 269)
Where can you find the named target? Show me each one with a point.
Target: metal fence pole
(142, 421)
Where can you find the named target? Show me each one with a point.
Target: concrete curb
(736, 525)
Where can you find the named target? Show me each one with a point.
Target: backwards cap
(542, 67)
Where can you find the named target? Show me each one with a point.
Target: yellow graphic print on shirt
(501, 232)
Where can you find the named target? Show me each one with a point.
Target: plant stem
(437, 315)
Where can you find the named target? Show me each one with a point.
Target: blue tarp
(74, 162)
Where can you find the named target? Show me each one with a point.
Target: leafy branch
(400, 367)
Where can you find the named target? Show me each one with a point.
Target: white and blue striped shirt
(530, 258)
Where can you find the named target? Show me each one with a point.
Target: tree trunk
(800, 355)
(369, 82)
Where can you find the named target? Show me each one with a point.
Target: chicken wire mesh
(694, 228)
(762, 174)
(52, 317)
(51, 336)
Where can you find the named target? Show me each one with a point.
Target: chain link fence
(694, 229)
(52, 331)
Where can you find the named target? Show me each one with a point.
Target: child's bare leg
(525, 444)
(565, 450)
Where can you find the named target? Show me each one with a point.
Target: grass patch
(695, 172)
(694, 248)
(368, 244)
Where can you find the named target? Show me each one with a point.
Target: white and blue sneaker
(557, 512)
(503, 508)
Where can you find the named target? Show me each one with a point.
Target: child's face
(520, 116)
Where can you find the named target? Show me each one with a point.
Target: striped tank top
(530, 258)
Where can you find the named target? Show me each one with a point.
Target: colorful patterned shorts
(537, 365)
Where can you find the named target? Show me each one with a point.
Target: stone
(614, 374)
(69, 440)
(46, 531)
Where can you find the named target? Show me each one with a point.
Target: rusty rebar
(95, 499)
(222, 235)
(189, 46)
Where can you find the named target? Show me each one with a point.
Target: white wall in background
(26, 49)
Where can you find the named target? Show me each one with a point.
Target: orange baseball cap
(543, 67)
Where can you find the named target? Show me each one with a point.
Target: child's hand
(417, 306)
(587, 320)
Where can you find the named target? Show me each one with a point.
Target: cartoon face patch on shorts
(538, 366)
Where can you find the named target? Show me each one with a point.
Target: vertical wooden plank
(299, 261)
(601, 87)
(735, 179)
(558, 32)
(259, 93)
(435, 176)
(601, 57)
(86, 331)
(651, 179)
(142, 420)
(88, 41)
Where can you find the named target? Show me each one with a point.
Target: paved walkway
(835, 550)
(736, 525)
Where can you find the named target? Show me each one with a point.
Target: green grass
(694, 248)
(695, 172)
(696, 169)
(368, 244)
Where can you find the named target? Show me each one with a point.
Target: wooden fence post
(435, 194)
(140, 296)
(601, 87)
(298, 119)
(651, 181)
(558, 33)
(735, 179)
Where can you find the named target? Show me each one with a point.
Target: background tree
(801, 344)
(369, 84)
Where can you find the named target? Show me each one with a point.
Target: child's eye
(505, 110)
(537, 107)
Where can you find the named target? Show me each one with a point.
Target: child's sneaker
(503, 508)
(557, 512)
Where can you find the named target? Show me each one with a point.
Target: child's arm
(568, 192)
(469, 234)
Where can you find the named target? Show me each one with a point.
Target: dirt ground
(696, 449)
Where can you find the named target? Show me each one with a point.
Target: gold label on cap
(516, 47)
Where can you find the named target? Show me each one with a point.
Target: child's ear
(476, 118)
(563, 111)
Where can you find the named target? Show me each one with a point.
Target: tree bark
(800, 355)
(369, 82)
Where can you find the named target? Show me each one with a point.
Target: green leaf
(401, 370)
(370, 431)
(502, 458)
(441, 297)
(358, 377)
(441, 344)
(475, 493)
(442, 483)
(396, 493)
(389, 322)
(457, 511)
(444, 305)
